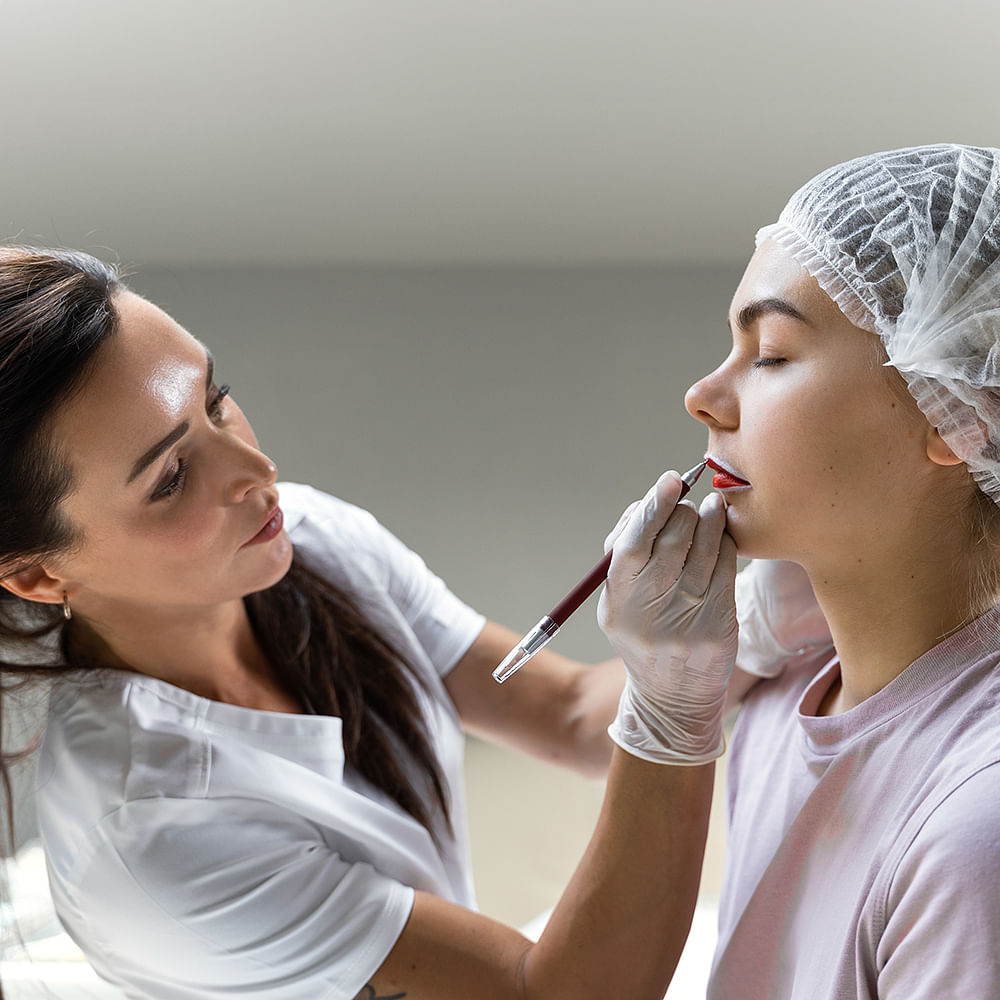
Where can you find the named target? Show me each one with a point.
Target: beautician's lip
(271, 527)
(727, 471)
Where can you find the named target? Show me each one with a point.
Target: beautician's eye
(175, 483)
(767, 362)
(215, 405)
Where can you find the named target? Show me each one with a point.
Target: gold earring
(67, 610)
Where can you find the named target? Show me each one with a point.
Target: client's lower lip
(724, 479)
(270, 530)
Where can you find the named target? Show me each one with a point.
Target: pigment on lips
(723, 478)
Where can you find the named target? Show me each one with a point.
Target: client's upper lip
(727, 469)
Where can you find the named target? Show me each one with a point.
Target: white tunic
(202, 850)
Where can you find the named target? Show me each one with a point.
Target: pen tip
(512, 662)
(691, 476)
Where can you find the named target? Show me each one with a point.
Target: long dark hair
(333, 660)
(56, 311)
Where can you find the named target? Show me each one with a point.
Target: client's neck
(886, 612)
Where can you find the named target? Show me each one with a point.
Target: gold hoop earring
(67, 610)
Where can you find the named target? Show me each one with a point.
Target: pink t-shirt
(864, 848)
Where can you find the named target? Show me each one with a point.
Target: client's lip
(270, 529)
(725, 478)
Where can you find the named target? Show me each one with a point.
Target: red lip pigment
(723, 478)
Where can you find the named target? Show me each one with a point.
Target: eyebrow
(150, 456)
(753, 311)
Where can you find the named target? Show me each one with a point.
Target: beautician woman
(250, 784)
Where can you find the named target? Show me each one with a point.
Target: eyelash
(176, 483)
(767, 362)
(215, 407)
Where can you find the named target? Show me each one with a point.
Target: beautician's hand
(778, 615)
(669, 611)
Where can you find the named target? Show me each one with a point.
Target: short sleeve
(943, 907)
(233, 903)
(340, 536)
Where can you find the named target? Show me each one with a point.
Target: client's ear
(939, 452)
(35, 584)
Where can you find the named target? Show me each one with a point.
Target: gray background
(498, 420)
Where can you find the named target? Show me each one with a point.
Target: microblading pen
(548, 628)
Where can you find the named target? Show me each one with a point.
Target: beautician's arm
(619, 928)
(558, 709)
(553, 708)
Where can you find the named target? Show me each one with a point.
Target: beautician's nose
(713, 399)
(250, 469)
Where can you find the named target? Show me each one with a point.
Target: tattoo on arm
(372, 995)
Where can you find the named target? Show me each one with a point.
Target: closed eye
(767, 362)
(214, 408)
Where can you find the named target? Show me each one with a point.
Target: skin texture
(847, 477)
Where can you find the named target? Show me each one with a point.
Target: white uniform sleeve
(205, 907)
(444, 625)
(943, 908)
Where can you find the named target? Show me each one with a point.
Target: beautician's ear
(35, 584)
(939, 452)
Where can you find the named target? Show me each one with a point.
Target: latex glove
(668, 609)
(778, 615)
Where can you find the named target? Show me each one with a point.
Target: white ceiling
(558, 131)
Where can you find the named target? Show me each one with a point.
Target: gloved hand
(669, 611)
(778, 615)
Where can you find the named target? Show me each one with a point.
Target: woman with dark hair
(250, 780)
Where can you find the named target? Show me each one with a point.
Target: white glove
(778, 615)
(668, 609)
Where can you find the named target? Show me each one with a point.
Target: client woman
(857, 421)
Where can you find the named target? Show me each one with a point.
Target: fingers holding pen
(666, 551)
(703, 554)
(644, 522)
(656, 526)
(668, 610)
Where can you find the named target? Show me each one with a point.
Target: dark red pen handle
(562, 611)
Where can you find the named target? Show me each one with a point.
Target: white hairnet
(907, 244)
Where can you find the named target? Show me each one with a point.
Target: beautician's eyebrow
(753, 311)
(147, 459)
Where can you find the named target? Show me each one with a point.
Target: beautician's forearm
(554, 708)
(627, 910)
(592, 709)
(619, 928)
